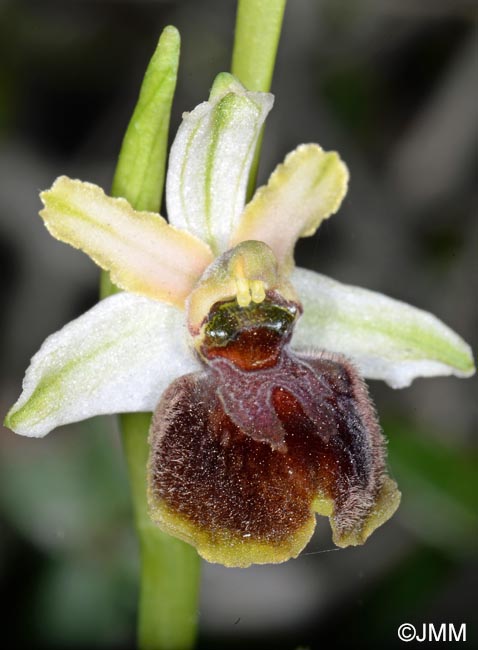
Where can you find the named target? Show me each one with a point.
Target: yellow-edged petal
(302, 191)
(142, 251)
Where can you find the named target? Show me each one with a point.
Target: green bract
(141, 169)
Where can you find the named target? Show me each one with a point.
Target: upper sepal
(210, 161)
(385, 338)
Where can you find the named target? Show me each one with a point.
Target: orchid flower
(253, 367)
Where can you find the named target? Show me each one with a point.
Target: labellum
(244, 453)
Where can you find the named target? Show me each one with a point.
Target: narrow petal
(118, 357)
(210, 161)
(144, 254)
(385, 338)
(304, 190)
(241, 498)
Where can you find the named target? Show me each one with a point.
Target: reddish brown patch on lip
(227, 485)
(252, 337)
(253, 349)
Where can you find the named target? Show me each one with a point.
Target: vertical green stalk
(169, 567)
(258, 28)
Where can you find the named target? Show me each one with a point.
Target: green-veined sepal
(117, 357)
(385, 338)
(210, 161)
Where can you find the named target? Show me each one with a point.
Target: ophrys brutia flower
(252, 367)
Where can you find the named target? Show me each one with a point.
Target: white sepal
(385, 338)
(210, 161)
(117, 357)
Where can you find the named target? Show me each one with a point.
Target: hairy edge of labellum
(244, 453)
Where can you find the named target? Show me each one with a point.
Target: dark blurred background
(392, 85)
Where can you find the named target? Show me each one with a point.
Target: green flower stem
(258, 28)
(169, 567)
